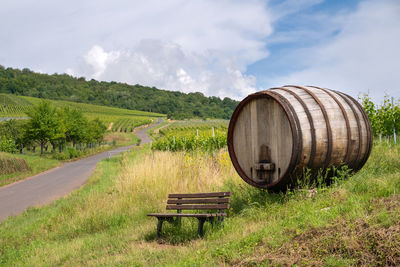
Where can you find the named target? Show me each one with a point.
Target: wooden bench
(219, 201)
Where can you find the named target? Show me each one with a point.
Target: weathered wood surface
(302, 127)
(194, 215)
(199, 201)
(254, 132)
(198, 207)
(218, 201)
(201, 195)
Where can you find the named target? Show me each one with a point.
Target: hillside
(17, 106)
(135, 97)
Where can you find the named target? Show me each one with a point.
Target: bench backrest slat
(198, 207)
(201, 195)
(199, 201)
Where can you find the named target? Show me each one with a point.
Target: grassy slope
(20, 104)
(354, 221)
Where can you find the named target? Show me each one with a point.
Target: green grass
(36, 164)
(154, 132)
(122, 138)
(355, 221)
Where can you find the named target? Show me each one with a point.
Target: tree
(96, 131)
(43, 124)
(14, 130)
(59, 138)
(75, 126)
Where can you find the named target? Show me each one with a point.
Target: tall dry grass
(11, 164)
(148, 180)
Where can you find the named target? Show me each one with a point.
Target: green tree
(96, 131)
(76, 126)
(42, 125)
(59, 138)
(14, 130)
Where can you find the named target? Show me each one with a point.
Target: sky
(224, 48)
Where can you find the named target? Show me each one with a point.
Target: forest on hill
(176, 105)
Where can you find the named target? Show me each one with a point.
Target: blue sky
(306, 21)
(224, 48)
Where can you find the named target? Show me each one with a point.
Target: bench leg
(159, 227)
(200, 227)
(178, 222)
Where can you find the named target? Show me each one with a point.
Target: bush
(61, 156)
(72, 152)
(8, 145)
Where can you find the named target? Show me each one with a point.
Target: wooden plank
(198, 207)
(242, 141)
(199, 201)
(254, 139)
(196, 215)
(201, 195)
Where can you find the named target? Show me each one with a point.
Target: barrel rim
(231, 150)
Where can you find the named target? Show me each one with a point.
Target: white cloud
(98, 60)
(364, 56)
(188, 46)
(166, 65)
(206, 45)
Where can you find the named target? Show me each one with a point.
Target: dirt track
(45, 187)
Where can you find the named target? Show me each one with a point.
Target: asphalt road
(12, 118)
(43, 188)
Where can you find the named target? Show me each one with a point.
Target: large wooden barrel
(275, 135)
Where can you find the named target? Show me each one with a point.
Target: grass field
(355, 221)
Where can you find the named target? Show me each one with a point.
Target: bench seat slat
(201, 195)
(198, 207)
(199, 201)
(200, 215)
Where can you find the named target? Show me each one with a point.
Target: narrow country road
(45, 187)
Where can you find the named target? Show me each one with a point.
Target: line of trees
(385, 119)
(50, 125)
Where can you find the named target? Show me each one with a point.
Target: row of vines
(13, 106)
(193, 135)
(385, 118)
(7, 110)
(128, 125)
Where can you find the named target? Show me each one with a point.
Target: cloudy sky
(221, 48)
